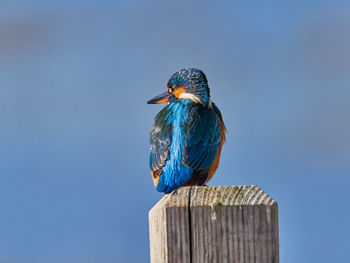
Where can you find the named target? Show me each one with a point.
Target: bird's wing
(203, 134)
(160, 137)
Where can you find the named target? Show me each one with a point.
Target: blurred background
(74, 80)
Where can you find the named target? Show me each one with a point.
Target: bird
(187, 135)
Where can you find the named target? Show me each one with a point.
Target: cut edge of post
(227, 195)
(230, 196)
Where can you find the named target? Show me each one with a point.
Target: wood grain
(169, 228)
(215, 224)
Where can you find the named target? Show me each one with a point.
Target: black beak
(162, 98)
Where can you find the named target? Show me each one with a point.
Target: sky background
(74, 80)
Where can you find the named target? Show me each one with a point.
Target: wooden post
(215, 224)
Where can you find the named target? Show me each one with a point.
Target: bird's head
(186, 84)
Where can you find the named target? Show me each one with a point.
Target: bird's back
(186, 138)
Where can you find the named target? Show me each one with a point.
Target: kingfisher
(187, 134)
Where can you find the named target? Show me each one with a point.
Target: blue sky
(74, 81)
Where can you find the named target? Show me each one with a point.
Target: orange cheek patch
(178, 92)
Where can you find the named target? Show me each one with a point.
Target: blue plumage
(175, 173)
(186, 135)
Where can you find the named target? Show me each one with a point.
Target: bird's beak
(162, 98)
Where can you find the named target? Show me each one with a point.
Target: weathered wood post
(214, 224)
